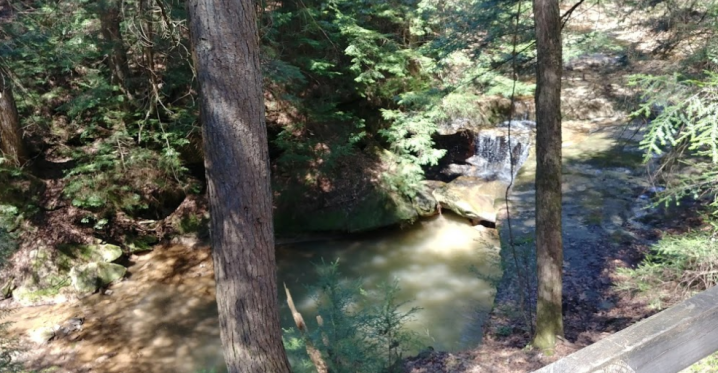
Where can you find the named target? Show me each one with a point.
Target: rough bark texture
(549, 246)
(226, 47)
(110, 18)
(11, 144)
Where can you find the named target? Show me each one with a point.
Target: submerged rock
(88, 278)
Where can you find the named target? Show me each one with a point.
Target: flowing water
(497, 148)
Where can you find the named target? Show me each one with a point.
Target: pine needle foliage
(677, 267)
(125, 145)
(684, 132)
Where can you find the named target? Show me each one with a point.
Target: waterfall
(495, 151)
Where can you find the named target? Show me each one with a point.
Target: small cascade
(483, 153)
(497, 153)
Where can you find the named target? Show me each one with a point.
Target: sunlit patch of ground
(162, 318)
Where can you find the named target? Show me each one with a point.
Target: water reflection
(443, 265)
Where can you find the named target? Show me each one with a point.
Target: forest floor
(120, 333)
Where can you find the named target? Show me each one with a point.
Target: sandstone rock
(471, 198)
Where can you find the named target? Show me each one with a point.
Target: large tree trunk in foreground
(549, 246)
(11, 144)
(226, 46)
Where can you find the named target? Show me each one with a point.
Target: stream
(163, 317)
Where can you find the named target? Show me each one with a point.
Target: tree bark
(226, 50)
(549, 246)
(11, 143)
(110, 18)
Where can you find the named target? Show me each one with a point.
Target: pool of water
(443, 265)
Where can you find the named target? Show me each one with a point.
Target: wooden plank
(664, 343)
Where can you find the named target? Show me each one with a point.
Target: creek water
(443, 265)
(163, 316)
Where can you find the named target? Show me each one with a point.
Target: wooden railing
(664, 343)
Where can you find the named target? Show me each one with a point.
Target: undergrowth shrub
(676, 267)
(361, 332)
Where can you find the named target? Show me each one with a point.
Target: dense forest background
(354, 92)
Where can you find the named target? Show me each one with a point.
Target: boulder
(470, 197)
(32, 294)
(92, 253)
(88, 278)
(53, 271)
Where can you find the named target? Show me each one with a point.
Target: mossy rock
(380, 210)
(52, 289)
(141, 244)
(87, 278)
(92, 253)
(375, 210)
(51, 271)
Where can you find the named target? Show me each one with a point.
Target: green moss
(548, 325)
(375, 210)
(90, 253)
(380, 211)
(193, 224)
(54, 284)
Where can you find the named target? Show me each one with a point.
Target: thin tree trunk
(110, 18)
(549, 246)
(147, 12)
(226, 48)
(11, 143)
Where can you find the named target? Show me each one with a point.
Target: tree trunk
(226, 49)
(110, 18)
(148, 21)
(11, 144)
(549, 246)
